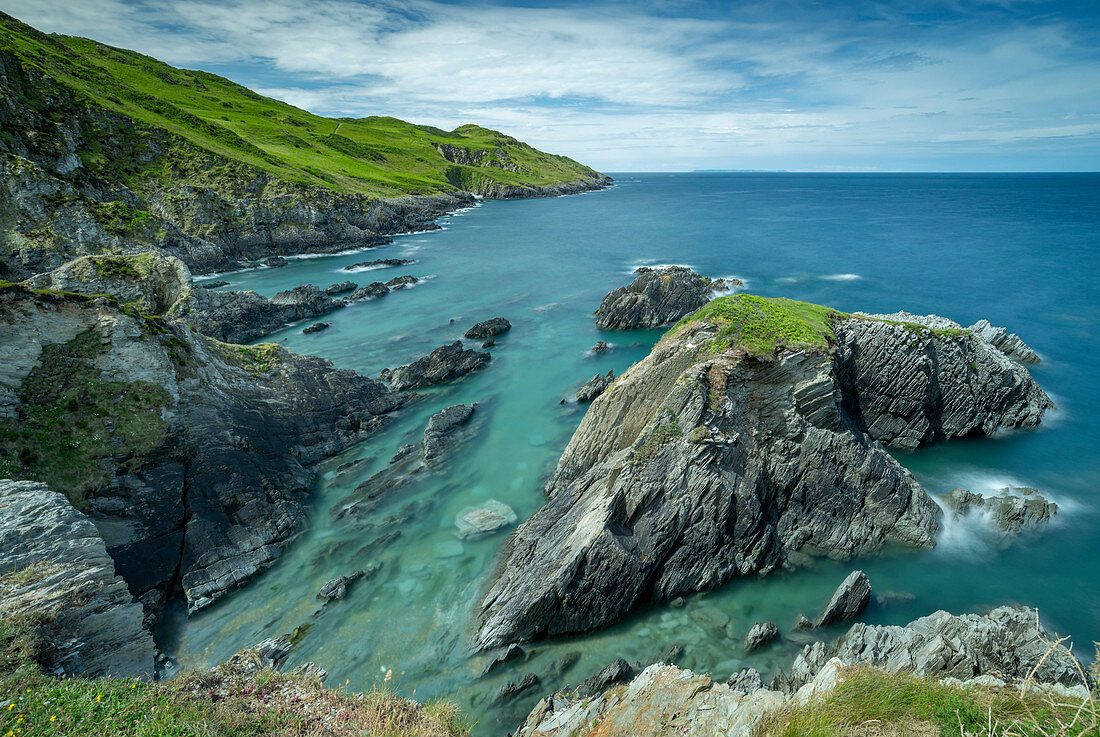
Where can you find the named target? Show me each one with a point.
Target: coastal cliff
(751, 438)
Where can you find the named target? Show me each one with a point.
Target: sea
(1020, 250)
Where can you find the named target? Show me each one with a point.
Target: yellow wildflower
(53, 718)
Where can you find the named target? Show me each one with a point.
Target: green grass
(71, 418)
(375, 155)
(869, 701)
(763, 326)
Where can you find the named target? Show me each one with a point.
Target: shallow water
(1019, 250)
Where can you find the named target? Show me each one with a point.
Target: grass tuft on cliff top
(376, 155)
(763, 326)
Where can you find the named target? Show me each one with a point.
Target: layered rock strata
(657, 297)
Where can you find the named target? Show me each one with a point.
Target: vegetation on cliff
(762, 326)
(377, 156)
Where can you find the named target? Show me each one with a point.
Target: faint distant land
(739, 171)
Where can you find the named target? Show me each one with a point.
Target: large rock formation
(656, 297)
(54, 565)
(192, 457)
(746, 441)
(446, 363)
(1013, 510)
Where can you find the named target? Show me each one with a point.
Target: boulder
(848, 601)
(317, 327)
(475, 522)
(489, 328)
(340, 288)
(444, 364)
(595, 386)
(760, 634)
(371, 291)
(655, 297)
(1016, 508)
(400, 282)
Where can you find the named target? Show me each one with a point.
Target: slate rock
(595, 386)
(489, 328)
(444, 364)
(848, 601)
(760, 634)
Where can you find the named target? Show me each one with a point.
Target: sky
(669, 85)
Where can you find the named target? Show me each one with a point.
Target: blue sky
(921, 85)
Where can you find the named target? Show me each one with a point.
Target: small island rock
(489, 328)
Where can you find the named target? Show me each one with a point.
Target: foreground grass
(230, 700)
(870, 702)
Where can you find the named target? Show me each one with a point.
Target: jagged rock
(340, 288)
(595, 386)
(746, 681)
(475, 522)
(379, 264)
(760, 634)
(274, 262)
(241, 317)
(489, 343)
(707, 461)
(850, 598)
(672, 654)
(272, 652)
(400, 282)
(337, 588)
(618, 671)
(65, 574)
(1016, 508)
(655, 297)
(1008, 641)
(513, 687)
(511, 652)
(316, 327)
(169, 511)
(601, 346)
(1007, 343)
(371, 291)
(443, 364)
(803, 623)
(403, 452)
(212, 284)
(441, 425)
(489, 328)
(307, 300)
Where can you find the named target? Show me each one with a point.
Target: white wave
(790, 279)
(841, 277)
(375, 267)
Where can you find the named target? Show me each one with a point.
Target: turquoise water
(1020, 250)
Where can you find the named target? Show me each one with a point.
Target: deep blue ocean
(1022, 251)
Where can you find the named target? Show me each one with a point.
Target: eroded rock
(444, 364)
(656, 297)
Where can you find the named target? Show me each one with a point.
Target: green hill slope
(380, 156)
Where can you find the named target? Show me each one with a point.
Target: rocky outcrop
(1007, 343)
(340, 288)
(1013, 510)
(316, 327)
(337, 588)
(373, 290)
(488, 328)
(445, 363)
(595, 386)
(656, 297)
(1008, 642)
(722, 454)
(850, 598)
(54, 565)
(400, 282)
(439, 435)
(760, 634)
(203, 463)
(380, 263)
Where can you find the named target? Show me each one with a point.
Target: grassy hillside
(375, 156)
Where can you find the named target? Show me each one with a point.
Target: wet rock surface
(595, 386)
(488, 328)
(373, 290)
(340, 288)
(445, 363)
(1013, 510)
(316, 327)
(656, 297)
(850, 598)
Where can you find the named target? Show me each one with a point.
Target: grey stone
(595, 386)
(445, 363)
(439, 435)
(655, 297)
(1015, 509)
(850, 598)
(374, 290)
(476, 522)
(488, 328)
(317, 327)
(746, 681)
(340, 288)
(380, 263)
(516, 686)
(618, 671)
(760, 634)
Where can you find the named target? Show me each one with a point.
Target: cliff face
(191, 456)
(713, 458)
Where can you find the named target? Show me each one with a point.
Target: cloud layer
(952, 85)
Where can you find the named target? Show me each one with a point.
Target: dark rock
(317, 327)
(746, 681)
(380, 263)
(212, 284)
(489, 343)
(619, 671)
(511, 652)
(340, 288)
(443, 364)
(672, 654)
(760, 634)
(850, 598)
(513, 687)
(489, 328)
(1007, 642)
(655, 297)
(1015, 509)
(562, 665)
(595, 386)
(241, 317)
(400, 282)
(274, 262)
(403, 452)
(601, 346)
(338, 587)
(441, 426)
(371, 291)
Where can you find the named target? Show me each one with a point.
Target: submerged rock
(518, 685)
(760, 634)
(379, 263)
(736, 448)
(337, 588)
(1015, 509)
(489, 328)
(595, 386)
(444, 364)
(655, 297)
(512, 652)
(475, 522)
(850, 598)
